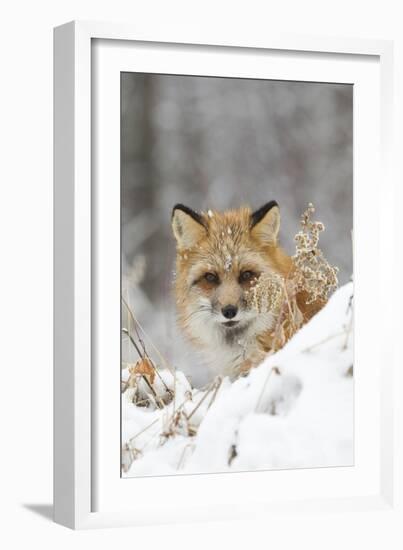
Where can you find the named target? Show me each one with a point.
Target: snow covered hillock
(293, 411)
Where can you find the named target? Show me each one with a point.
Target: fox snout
(229, 311)
(228, 299)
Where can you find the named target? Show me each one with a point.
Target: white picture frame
(88, 491)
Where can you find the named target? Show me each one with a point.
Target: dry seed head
(313, 273)
(266, 294)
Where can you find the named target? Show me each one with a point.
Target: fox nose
(229, 312)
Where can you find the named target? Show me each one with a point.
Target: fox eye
(246, 276)
(211, 277)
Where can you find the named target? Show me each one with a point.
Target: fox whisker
(200, 311)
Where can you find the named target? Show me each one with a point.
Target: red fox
(220, 257)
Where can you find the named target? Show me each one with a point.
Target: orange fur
(227, 245)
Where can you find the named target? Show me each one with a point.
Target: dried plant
(145, 382)
(266, 293)
(311, 279)
(146, 386)
(313, 273)
(144, 367)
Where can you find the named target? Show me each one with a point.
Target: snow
(228, 263)
(293, 411)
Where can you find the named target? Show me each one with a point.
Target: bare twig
(218, 385)
(143, 430)
(125, 331)
(144, 353)
(324, 341)
(276, 371)
(137, 325)
(201, 401)
(182, 457)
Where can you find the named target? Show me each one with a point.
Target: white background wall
(26, 267)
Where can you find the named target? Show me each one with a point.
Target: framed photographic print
(220, 208)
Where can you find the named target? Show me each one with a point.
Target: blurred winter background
(220, 143)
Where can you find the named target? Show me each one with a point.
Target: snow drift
(293, 411)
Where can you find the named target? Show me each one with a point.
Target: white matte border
(110, 58)
(82, 465)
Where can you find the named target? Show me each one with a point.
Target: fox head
(220, 257)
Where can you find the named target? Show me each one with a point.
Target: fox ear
(265, 223)
(187, 226)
